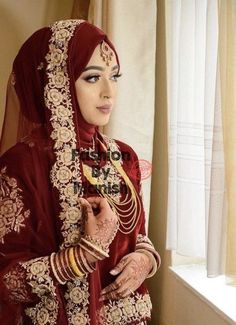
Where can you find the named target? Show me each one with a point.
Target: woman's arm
(135, 267)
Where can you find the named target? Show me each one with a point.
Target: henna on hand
(103, 227)
(133, 270)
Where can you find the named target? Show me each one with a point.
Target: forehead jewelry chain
(106, 53)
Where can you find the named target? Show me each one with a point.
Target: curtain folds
(190, 126)
(216, 213)
(227, 59)
(80, 9)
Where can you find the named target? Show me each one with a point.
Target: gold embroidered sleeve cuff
(144, 243)
(38, 275)
(152, 259)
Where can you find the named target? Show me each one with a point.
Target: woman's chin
(102, 121)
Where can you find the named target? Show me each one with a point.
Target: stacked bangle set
(71, 262)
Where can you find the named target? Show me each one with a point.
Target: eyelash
(89, 78)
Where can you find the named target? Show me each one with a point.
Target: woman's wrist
(65, 266)
(90, 258)
(94, 247)
(151, 260)
(70, 263)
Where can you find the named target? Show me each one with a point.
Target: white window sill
(214, 291)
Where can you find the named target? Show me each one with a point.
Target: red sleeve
(25, 274)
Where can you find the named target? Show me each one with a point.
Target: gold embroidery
(77, 296)
(124, 311)
(143, 242)
(39, 278)
(38, 275)
(44, 312)
(66, 171)
(12, 214)
(113, 146)
(14, 280)
(143, 239)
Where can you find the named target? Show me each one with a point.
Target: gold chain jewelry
(133, 212)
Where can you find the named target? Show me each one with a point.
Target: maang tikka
(106, 53)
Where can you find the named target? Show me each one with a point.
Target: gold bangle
(90, 267)
(55, 270)
(97, 243)
(95, 247)
(73, 263)
(93, 253)
(68, 267)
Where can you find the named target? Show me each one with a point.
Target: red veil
(25, 104)
(38, 206)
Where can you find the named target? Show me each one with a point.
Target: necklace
(129, 210)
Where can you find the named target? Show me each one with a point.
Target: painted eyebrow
(96, 67)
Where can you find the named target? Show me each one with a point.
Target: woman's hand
(102, 227)
(134, 269)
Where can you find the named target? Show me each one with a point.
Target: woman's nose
(107, 90)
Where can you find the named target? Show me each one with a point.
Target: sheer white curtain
(196, 209)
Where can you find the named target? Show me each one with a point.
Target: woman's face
(96, 88)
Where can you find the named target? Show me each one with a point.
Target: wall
(18, 20)
(173, 303)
